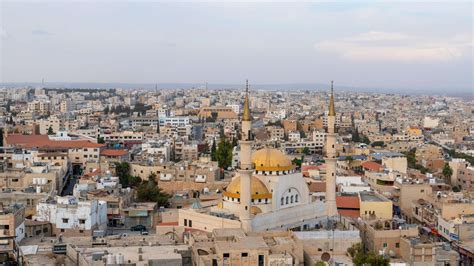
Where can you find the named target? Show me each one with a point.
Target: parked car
(138, 227)
(144, 233)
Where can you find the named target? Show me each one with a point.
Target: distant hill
(459, 92)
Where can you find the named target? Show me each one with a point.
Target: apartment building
(12, 221)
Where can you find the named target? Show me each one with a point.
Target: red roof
(114, 153)
(93, 173)
(347, 202)
(43, 141)
(305, 169)
(349, 213)
(18, 139)
(372, 166)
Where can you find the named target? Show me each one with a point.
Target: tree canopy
(224, 154)
(148, 191)
(447, 171)
(123, 172)
(359, 258)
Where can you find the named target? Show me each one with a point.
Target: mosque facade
(267, 193)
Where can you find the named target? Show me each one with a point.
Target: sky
(386, 44)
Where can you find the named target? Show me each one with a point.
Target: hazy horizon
(396, 47)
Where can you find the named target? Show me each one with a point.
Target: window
(397, 245)
(385, 245)
(225, 255)
(245, 254)
(62, 230)
(286, 201)
(282, 201)
(45, 230)
(65, 220)
(82, 221)
(81, 231)
(291, 199)
(185, 222)
(296, 198)
(190, 223)
(261, 260)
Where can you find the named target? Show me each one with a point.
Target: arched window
(287, 199)
(291, 198)
(282, 201)
(296, 198)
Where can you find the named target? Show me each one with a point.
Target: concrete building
(235, 247)
(71, 217)
(375, 206)
(384, 236)
(220, 112)
(12, 222)
(416, 251)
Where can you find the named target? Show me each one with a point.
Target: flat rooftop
(372, 197)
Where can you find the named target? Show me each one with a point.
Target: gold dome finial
(332, 111)
(247, 116)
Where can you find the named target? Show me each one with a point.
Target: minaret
(331, 208)
(246, 168)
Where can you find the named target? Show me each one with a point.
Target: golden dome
(268, 159)
(257, 188)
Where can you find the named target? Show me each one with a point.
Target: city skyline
(356, 44)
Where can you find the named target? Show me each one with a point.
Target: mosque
(267, 193)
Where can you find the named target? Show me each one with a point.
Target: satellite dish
(326, 256)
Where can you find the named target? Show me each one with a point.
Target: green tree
(134, 181)
(359, 258)
(224, 154)
(365, 140)
(214, 151)
(297, 161)
(100, 140)
(447, 171)
(149, 191)
(305, 151)
(378, 144)
(50, 131)
(356, 136)
(123, 172)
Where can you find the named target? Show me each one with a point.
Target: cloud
(389, 46)
(40, 32)
(378, 36)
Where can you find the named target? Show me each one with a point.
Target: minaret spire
(246, 167)
(330, 158)
(246, 115)
(332, 111)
